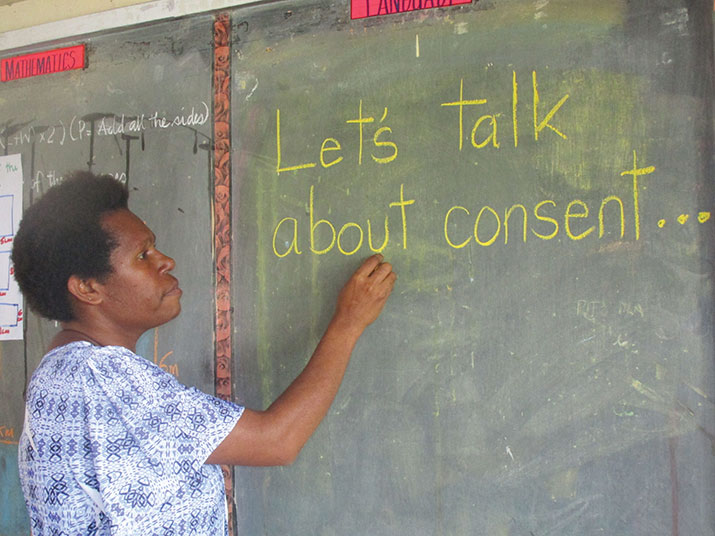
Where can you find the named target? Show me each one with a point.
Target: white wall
(29, 22)
(25, 13)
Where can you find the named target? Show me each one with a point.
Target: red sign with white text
(359, 9)
(47, 62)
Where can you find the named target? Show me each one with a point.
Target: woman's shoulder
(61, 370)
(64, 356)
(79, 358)
(83, 369)
(80, 351)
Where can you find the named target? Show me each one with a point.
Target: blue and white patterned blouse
(112, 444)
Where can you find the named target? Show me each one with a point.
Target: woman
(112, 444)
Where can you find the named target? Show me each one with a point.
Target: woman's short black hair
(61, 235)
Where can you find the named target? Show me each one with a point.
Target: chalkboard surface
(540, 175)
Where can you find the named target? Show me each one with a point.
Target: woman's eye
(142, 256)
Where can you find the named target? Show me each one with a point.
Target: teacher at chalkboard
(113, 444)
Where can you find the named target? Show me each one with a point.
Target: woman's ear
(84, 290)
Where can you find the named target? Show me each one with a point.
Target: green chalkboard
(539, 174)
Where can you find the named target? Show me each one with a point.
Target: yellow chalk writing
(514, 101)
(461, 103)
(609, 199)
(492, 135)
(507, 215)
(539, 126)
(314, 226)
(571, 215)
(541, 217)
(349, 239)
(280, 169)
(331, 148)
(324, 148)
(378, 143)
(384, 242)
(637, 172)
(446, 228)
(350, 225)
(492, 119)
(294, 243)
(575, 218)
(360, 121)
(476, 226)
(403, 204)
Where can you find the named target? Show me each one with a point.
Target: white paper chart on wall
(11, 309)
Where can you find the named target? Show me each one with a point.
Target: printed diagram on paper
(11, 310)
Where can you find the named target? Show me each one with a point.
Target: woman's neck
(71, 332)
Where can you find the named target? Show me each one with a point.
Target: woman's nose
(167, 263)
